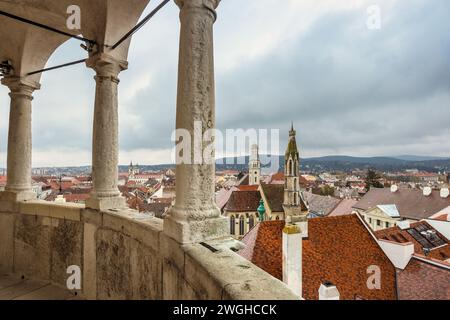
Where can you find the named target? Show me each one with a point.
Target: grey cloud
(345, 87)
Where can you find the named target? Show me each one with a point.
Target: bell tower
(292, 196)
(254, 169)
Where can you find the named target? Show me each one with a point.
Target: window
(378, 222)
(241, 226)
(251, 222)
(370, 220)
(232, 225)
(387, 224)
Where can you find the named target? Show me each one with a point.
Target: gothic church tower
(254, 169)
(292, 197)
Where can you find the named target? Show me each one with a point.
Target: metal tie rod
(140, 24)
(57, 67)
(43, 26)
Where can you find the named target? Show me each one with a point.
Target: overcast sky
(349, 89)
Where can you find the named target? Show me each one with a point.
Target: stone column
(195, 216)
(19, 185)
(105, 145)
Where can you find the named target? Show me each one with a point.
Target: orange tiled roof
(423, 281)
(441, 252)
(76, 197)
(243, 201)
(339, 249)
(248, 188)
(279, 176)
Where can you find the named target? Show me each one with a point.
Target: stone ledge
(133, 224)
(200, 271)
(234, 276)
(67, 211)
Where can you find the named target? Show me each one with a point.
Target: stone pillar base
(17, 195)
(195, 231)
(104, 204)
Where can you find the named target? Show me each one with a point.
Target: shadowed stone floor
(13, 287)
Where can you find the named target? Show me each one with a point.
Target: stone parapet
(124, 255)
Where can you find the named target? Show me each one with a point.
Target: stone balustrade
(123, 255)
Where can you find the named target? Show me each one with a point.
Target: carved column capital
(191, 5)
(21, 86)
(106, 66)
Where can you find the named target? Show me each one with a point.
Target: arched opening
(232, 225)
(241, 226)
(251, 222)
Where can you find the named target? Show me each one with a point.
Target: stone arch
(232, 225)
(241, 225)
(251, 222)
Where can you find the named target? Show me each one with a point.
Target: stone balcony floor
(13, 287)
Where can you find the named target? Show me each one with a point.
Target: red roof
(439, 248)
(423, 281)
(279, 176)
(339, 250)
(81, 197)
(442, 217)
(243, 201)
(65, 185)
(248, 188)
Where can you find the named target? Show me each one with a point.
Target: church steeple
(131, 170)
(254, 169)
(292, 197)
(291, 150)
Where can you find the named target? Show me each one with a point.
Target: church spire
(254, 166)
(292, 150)
(292, 203)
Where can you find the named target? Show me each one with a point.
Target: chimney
(405, 224)
(328, 291)
(427, 191)
(292, 258)
(398, 253)
(444, 193)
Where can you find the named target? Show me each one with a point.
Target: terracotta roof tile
(248, 188)
(423, 281)
(339, 249)
(441, 251)
(243, 201)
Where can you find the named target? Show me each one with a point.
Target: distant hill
(348, 163)
(419, 158)
(319, 164)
